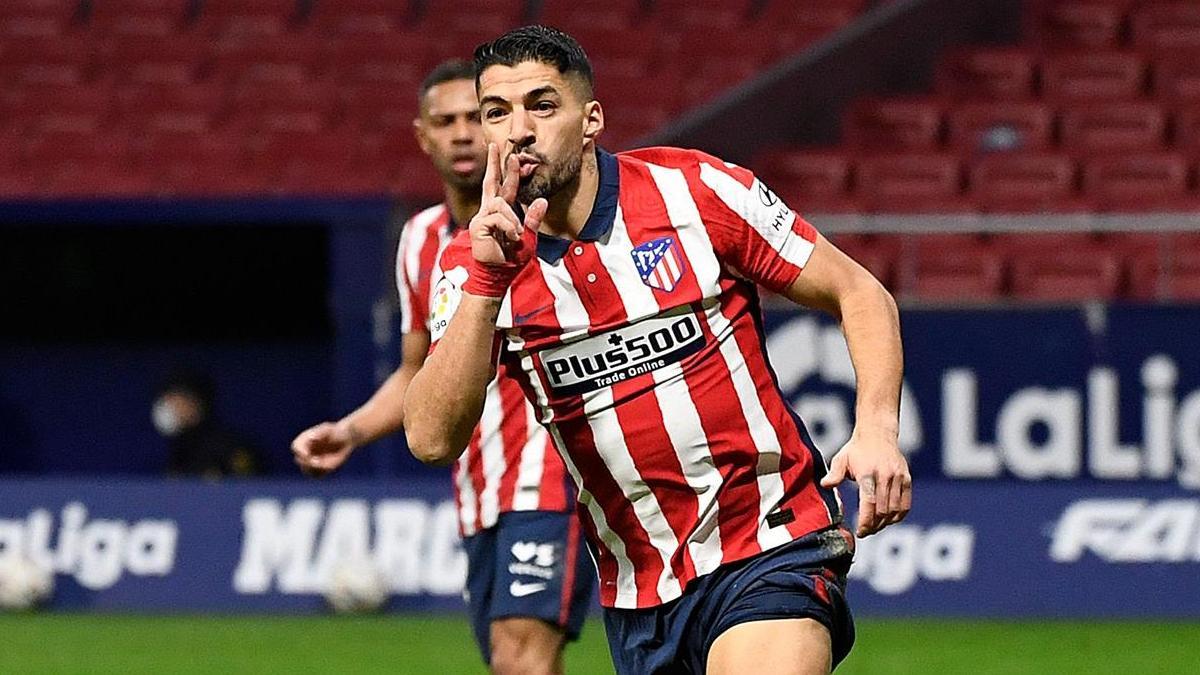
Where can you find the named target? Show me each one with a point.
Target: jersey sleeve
(414, 310)
(452, 272)
(752, 230)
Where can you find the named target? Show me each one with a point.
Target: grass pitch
(69, 643)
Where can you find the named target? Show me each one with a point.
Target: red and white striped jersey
(510, 464)
(641, 346)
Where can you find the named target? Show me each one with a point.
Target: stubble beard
(546, 185)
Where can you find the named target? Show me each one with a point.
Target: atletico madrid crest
(659, 263)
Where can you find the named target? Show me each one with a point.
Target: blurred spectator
(200, 445)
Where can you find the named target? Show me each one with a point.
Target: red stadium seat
(36, 18)
(174, 60)
(1093, 76)
(788, 26)
(1022, 183)
(880, 254)
(1167, 27)
(956, 268)
(1107, 127)
(241, 19)
(987, 73)
(401, 61)
(810, 181)
(378, 107)
(911, 183)
(141, 101)
(575, 16)
(62, 60)
(33, 105)
(286, 59)
(1065, 274)
(1139, 182)
(360, 17)
(146, 18)
(1000, 126)
(1083, 24)
(1177, 79)
(895, 123)
(50, 151)
(1187, 130)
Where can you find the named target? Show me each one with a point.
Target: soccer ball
(24, 584)
(357, 586)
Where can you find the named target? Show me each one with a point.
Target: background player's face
(535, 112)
(449, 132)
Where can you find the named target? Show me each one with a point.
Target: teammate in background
(625, 297)
(529, 581)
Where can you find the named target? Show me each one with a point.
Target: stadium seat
(139, 18)
(810, 181)
(914, 183)
(956, 268)
(62, 60)
(37, 105)
(1167, 27)
(247, 19)
(1139, 182)
(1177, 79)
(45, 19)
(378, 107)
(1107, 127)
(174, 60)
(1187, 130)
(283, 59)
(789, 26)
(1025, 183)
(401, 61)
(1084, 76)
(1065, 274)
(879, 253)
(895, 123)
(1000, 126)
(361, 18)
(1086, 24)
(987, 73)
(576, 16)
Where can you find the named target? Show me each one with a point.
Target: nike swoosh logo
(524, 318)
(520, 590)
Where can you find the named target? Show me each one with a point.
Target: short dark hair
(446, 71)
(536, 43)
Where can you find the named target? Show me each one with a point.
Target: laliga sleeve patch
(444, 300)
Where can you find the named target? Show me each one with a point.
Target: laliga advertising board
(1056, 452)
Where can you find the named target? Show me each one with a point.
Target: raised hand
(884, 482)
(498, 236)
(323, 448)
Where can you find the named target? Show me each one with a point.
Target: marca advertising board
(1057, 455)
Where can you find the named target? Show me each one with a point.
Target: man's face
(532, 111)
(449, 132)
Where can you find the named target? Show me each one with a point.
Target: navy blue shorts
(803, 579)
(531, 564)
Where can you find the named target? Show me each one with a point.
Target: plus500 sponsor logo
(605, 359)
(96, 552)
(894, 560)
(293, 547)
(1129, 531)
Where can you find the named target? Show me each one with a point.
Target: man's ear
(418, 131)
(593, 120)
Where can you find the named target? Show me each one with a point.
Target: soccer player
(622, 290)
(529, 579)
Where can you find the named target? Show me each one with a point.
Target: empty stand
(926, 182)
(956, 268)
(1026, 183)
(895, 123)
(1139, 182)
(1061, 272)
(1092, 76)
(1001, 126)
(988, 73)
(1167, 27)
(1110, 127)
(1074, 24)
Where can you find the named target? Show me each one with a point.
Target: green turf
(138, 644)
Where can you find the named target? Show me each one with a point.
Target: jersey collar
(600, 222)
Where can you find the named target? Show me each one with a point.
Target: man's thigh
(773, 647)
(542, 570)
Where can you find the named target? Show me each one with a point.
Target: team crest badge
(659, 263)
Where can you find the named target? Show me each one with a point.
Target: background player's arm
(834, 283)
(325, 447)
